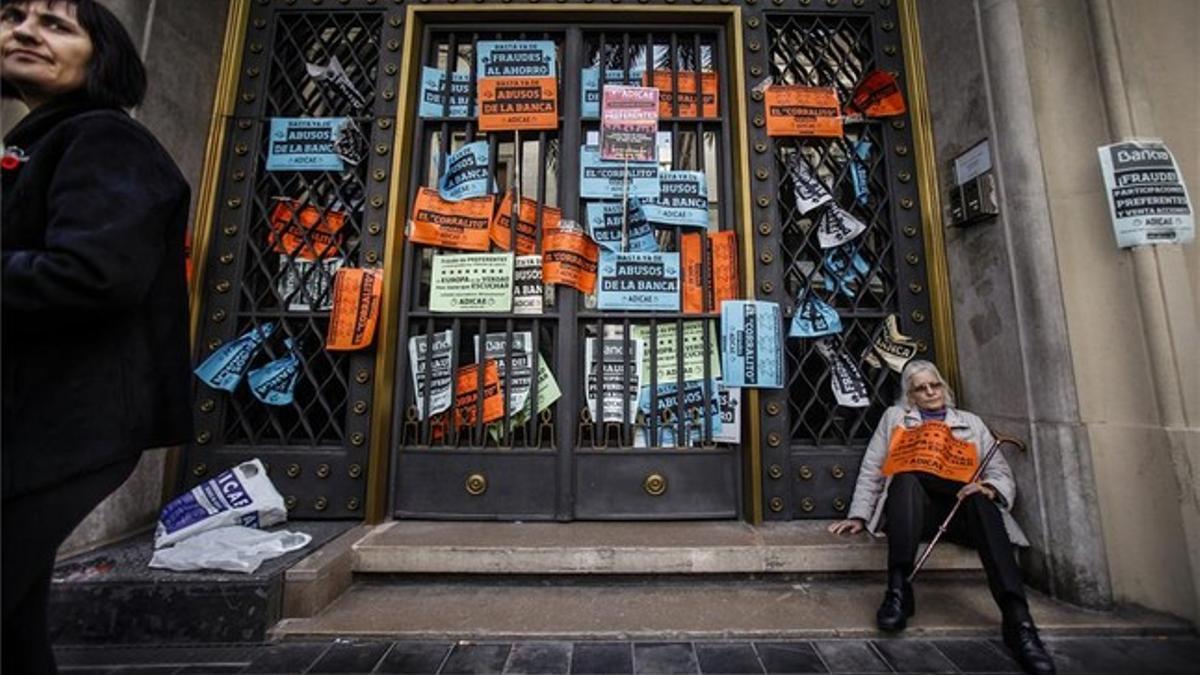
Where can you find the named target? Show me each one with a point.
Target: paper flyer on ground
(471, 282)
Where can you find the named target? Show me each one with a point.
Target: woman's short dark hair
(116, 76)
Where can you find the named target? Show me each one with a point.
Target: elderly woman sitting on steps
(909, 504)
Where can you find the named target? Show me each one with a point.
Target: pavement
(1106, 654)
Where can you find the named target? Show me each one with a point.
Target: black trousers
(34, 526)
(918, 502)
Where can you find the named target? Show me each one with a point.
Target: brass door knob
(655, 485)
(476, 484)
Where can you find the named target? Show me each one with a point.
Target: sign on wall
(1147, 199)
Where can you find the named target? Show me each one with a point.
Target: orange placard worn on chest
(931, 448)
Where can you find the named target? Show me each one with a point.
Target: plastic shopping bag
(242, 495)
(233, 549)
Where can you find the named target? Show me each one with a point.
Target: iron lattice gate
(811, 445)
(315, 448)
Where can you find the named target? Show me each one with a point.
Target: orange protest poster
(526, 224)
(466, 394)
(878, 95)
(462, 225)
(307, 232)
(569, 257)
(793, 110)
(723, 277)
(356, 294)
(931, 448)
(518, 103)
(685, 80)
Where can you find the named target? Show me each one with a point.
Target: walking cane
(1018, 443)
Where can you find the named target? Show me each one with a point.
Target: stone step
(701, 547)
(686, 608)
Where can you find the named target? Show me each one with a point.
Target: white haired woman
(919, 462)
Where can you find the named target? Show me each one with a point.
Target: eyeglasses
(928, 387)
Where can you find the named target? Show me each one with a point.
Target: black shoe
(1022, 639)
(898, 604)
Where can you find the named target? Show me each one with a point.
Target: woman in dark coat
(95, 321)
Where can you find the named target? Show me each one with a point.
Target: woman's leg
(907, 502)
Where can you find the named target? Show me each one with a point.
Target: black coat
(95, 321)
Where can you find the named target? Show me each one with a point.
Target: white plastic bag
(233, 549)
(242, 495)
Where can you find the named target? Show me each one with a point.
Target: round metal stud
(222, 286)
(360, 407)
(226, 258)
(776, 504)
(752, 22)
(806, 472)
(922, 347)
(767, 287)
(321, 504)
(805, 3)
(831, 3)
(837, 472)
(390, 69)
(757, 95)
(890, 50)
(245, 124)
(761, 173)
(773, 408)
(371, 256)
(218, 316)
(915, 288)
(388, 94)
(379, 175)
(381, 149)
(756, 70)
(234, 203)
(766, 257)
(384, 123)
(765, 229)
(754, 45)
(759, 121)
(357, 438)
(775, 472)
(912, 258)
(885, 3)
(476, 484)
(323, 471)
(910, 230)
(760, 147)
(213, 344)
(290, 502)
(374, 228)
(292, 471)
(352, 504)
(898, 124)
(395, 21)
(773, 439)
(203, 437)
(839, 504)
(230, 230)
(763, 201)
(241, 149)
(807, 504)
(200, 469)
(859, 3)
(655, 485)
(362, 376)
(393, 45)
(260, 23)
(917, 316)
(376, 201)
(248, 97)
(239, 176)
(902, 150)
(887, 26)
(904, 176)
(208, 405)
(907, 203)
(354, 471)
(256, 47)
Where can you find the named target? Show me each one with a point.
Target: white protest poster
(614, 378)
(1147, 199)
(436, 368)
(847, 382)
(520, 354)
(307, 285)
(528, 289)
(471, 282)
(731, 415)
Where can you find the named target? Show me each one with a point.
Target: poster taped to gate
(684, 82)
(813, 317)
(275, 383)
(223, 369)
(528, 289)
(462, 225)
(795, 110)
(312, 144)
(878, 95)
(433, 94)
(639, 281)
(695, 410)
(527, 227)
(471, 282)
(520, 354)
(628, 123)
(682, 200)
(600, 179)
(605, 220)
(356, 293)
(436, 366)
(860, 156)
(305, 231)
(1147, 199)
(895, 348)
(666, 351)
(547, 393)
(508, 103)
(752, 344)
(845, 379)
(931, 448)
(808, 190)
(722, 282)
(466, 394)
(844, 270)
(516, 58)
(334, 80)
(589, 95)
(307, 285)
(731, 414)
(835, 227)
(614, 378)
(570, 258)
(466, 173)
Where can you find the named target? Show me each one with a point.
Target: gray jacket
(870, 492)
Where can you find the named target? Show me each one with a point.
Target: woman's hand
(848, 526)
(971, 488)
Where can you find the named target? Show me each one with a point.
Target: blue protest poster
(695, 409)
(604, 226)
(275, 383)
(305, 144)
(860, 170)
(223, 369)
(845, 270)
(814, 318)
(516, 58)
(638, 281)
(600, 179)
(752, 344)
(590, 84)
(433, 94)
(466, 173)
(682, 200)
